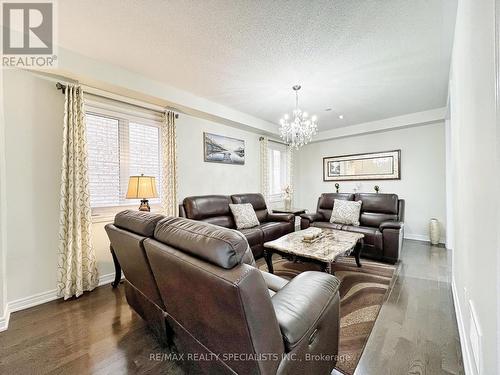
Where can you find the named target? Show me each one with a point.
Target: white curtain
(169, 165)
(264, 170)
(289, 166)
(77, 271)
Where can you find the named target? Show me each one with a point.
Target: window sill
(107, 214)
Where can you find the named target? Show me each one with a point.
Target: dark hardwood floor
(416, 332)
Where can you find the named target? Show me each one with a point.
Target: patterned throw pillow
(346, 212)
(244, 215)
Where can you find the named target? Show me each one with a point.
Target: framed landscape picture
(221, 149)
(373, 166)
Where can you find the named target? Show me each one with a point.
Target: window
(278, 169)
(119, 145)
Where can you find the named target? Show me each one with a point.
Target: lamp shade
(141, 187)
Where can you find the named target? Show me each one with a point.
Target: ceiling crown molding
(392, 123)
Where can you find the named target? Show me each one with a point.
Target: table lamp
(142, 187)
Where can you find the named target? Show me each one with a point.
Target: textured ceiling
(367, 60)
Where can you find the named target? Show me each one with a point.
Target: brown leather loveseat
(214, 209)
(219, 312)
(381, 221)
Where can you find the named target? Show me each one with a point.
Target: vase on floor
(435, 232)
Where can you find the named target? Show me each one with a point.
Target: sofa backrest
(127, 235)
(377, 208)
(213, 209)
(325, 203)
(258, 202)
(215, 301)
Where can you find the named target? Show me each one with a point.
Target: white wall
(34, 121)
(475, 170)
(33, 133)
(422, 183)
(3, 216)
(197, 177)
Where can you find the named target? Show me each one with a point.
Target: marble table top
(333, 244)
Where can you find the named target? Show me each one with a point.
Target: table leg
(118, 269)
(328, 268)
(268, 256)
(357, 251)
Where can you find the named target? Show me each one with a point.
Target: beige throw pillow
(244, 215)
(346, 212)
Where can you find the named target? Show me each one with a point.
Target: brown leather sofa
(214, 209)
(381, 221)
(219, 312)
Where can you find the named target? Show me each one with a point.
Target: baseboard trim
(31, 301)
(39, 299)
(4, 320)
(421, 237)
(466, 354)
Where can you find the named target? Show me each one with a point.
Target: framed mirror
(373, 166)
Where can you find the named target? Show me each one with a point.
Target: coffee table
(324, 251)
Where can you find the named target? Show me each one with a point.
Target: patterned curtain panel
(77, 271)
(169, 165)
(264, 170)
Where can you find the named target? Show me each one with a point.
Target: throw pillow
(244, 215)
(346, 212)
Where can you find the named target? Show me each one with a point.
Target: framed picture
(221, 149)
(373, 166)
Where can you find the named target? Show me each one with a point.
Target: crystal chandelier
(298, 130)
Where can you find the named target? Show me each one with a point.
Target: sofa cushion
(325, 203)
(220, 246)
(256, 200)
(139, 222)
(346, 212)
(379, 203)
(202, 207)
(372, 235)
(244, 215)
(254, 236)
(373, 219)
(274, 230)
(326, 224)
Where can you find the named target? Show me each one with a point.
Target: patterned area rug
(362, 292)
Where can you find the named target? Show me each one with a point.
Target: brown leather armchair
(127, 235)
(221, 309)
(381, 221)
(214, 209)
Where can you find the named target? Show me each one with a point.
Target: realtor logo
(28, 34)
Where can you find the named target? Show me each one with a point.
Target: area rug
(362, 293)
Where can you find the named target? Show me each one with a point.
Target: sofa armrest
(302, 303)
(391, 225)
(312, 217)
(281, 217)
(273, 282)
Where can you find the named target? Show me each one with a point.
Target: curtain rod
(272, 140)
(62, 87)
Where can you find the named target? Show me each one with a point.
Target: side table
(294, 211)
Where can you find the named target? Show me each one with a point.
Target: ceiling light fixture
(341, 117)
(299, 130)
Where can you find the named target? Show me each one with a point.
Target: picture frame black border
(363, 154)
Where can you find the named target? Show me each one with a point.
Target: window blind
(120, 145)
(278, 170)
